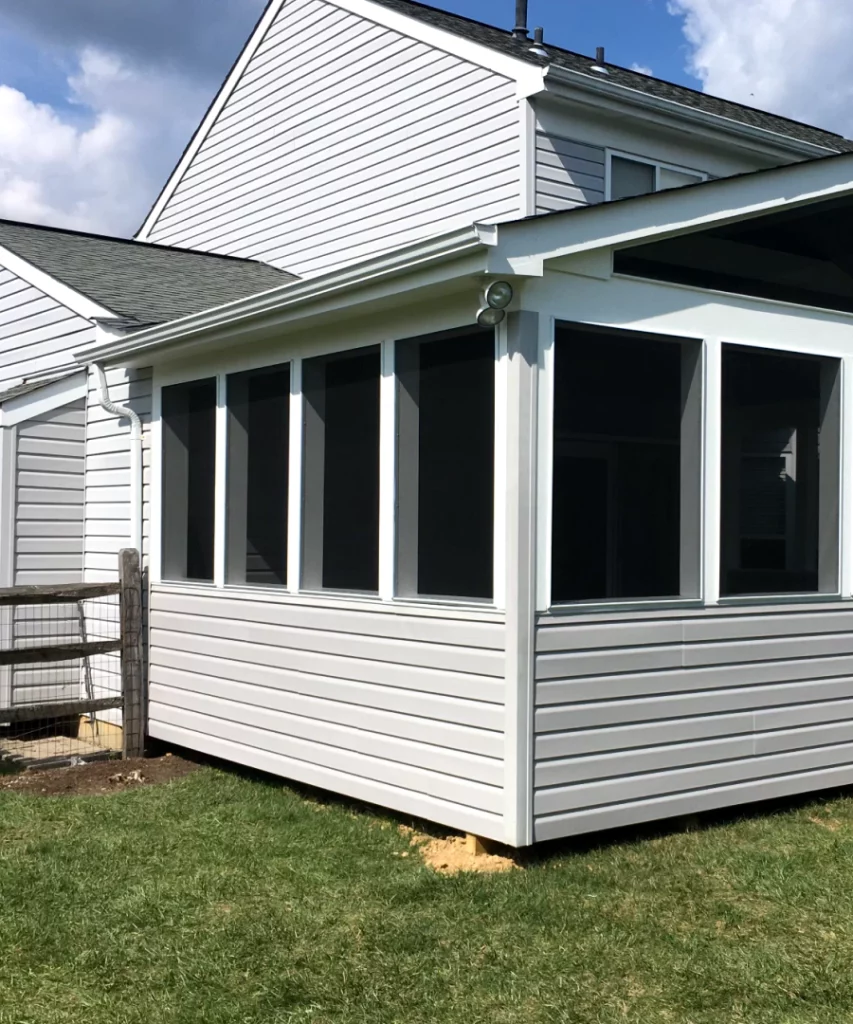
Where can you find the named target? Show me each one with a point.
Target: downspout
(135, 455)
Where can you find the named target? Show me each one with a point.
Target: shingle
(139, 282)
(33, 385)
(505, 42)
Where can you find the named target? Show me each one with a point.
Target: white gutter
(618, 91)
(420, 256)
(135, 455)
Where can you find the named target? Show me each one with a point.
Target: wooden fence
(127, 643)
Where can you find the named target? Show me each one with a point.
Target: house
(524, 507)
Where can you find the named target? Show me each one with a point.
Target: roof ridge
(533, 59)
(77, 233)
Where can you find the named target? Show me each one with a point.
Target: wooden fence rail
(128, 644)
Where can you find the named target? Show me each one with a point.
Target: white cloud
(642, 69)
(98, 165)
(787, 56)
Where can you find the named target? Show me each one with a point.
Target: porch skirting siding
(647, 716)
(398, 709)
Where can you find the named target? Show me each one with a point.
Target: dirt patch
(99, 778)
(454, 855)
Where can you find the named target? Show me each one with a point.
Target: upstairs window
(340, 532)
(634, 176)
(188, 416)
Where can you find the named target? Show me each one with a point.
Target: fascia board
(215, 109)
(530, 77)
(78, 303)
(446, 257)
(666, 214)
(46, 399)
(602, 93)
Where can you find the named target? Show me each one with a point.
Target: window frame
(659, 165)
(294, 354)
(693, 576)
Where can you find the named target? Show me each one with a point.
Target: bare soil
(100, 778)
(451, 855)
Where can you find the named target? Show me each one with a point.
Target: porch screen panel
(780, 473)
(341, 475)
(257, 472)
(446, 465)
(188, 480)
(627, 457)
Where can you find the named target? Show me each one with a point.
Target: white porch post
(522, 432)
(711, 471)
(8, 444)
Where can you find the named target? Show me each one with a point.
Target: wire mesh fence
(69, 671)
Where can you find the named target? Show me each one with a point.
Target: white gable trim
(524, 246)
(78, 303)
(530, 77)
(46, 399)
(222, 97)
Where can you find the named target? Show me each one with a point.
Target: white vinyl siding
(48, 543)
(568, 173)
(37, 333)
(108, 472)
(315, 163)
(399, 709)
(652, 715)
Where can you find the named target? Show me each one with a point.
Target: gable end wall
(344, 139)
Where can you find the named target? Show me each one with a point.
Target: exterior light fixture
(498, 296)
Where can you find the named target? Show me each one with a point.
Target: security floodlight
(499, 295)
(489, 316)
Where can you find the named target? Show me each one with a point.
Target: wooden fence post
(130, 577)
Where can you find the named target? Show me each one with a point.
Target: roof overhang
(524, 247)
(39, 397)
(436, 266)
(600, 92)
(516, 249)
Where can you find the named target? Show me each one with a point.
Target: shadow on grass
(542, 853)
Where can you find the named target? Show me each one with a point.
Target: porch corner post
(130, 612)
(521, 489)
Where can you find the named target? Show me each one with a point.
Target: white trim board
(45, 399)
(78, 303)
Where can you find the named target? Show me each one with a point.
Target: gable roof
(139, 282)
(504, 42)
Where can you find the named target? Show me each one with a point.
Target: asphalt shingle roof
(139, 282)
(505, 42)
(19, 390)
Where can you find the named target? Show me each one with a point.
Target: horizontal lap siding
(568, 173)
(646, 718)
(37, 333)
(315, 164)
(49, 543)
(396, 709)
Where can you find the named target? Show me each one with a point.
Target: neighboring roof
(505, 42)
(140, 282)
(34, 385)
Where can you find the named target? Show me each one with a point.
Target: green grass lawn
(234, 900)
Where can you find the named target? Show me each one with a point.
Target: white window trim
(294, 356)
(659, 165)
(710, 468)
